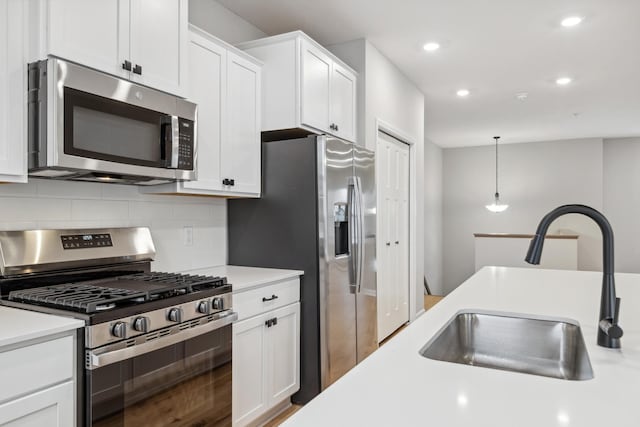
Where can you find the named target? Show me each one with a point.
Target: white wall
(622, 200)
(216, 19)
(534, 179)
(433, 217)
(66, 204)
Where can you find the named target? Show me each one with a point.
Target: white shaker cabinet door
(207, 88)
(13, 74)
(249, 398)
(94, 33)
(52, 407)
(283, 353)
(159, 44)
(316, 87)
(343, 103)
(241, 147)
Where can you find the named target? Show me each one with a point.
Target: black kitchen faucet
(609, 333)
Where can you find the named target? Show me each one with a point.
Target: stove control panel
(83, 241)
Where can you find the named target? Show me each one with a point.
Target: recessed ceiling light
(431, 46)
(563, 81)
(571, 21)
(462, 93)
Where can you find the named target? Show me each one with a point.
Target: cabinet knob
(137, 69)
(397, 242)
(337, 128)
(388, 243)
(126, 65)
(232, 182)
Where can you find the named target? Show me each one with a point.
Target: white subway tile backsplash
(65, 204)
(99, 209)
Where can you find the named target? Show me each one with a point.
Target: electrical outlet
(187, 235)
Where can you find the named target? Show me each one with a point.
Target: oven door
(187, 383)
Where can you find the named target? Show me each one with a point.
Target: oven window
(187, 384)
(106, 129)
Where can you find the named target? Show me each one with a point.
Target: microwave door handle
(175, 142)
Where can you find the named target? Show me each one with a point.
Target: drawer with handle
(259, 300)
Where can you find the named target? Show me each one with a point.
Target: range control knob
(119, 330)
(141, 324)
(217, 303)
(175, 315)
(204, 307)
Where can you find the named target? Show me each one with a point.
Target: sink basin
(539, 346)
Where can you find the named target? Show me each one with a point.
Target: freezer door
(336, 193)
(366, 303)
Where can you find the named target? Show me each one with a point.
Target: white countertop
(398, 387)
(245, 278)
(18, 325)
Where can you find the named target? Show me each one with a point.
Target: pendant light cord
(497, 138)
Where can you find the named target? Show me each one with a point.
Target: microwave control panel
(83, 241)
(185, 144)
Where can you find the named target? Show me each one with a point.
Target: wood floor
(429, 302)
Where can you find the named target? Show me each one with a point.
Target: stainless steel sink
(551, 348)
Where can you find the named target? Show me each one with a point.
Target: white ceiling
(495, 48)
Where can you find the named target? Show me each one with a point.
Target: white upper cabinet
(207, 74)
(316, 86)
(241, 147)
(13, 93)
(343, 102)
(88, 32)
(306, 88)
(159, 43)
(142, 40)
(225, 83)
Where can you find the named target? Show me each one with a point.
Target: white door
(94, 33)
(52, 407)
(282, 354)
(343, 103)
(249, 398)
(159, 44)
(241, 145)
(316, 87)
(393, 194)
(13, 75)
(207, 88)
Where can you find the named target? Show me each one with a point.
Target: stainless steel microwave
(90, 126)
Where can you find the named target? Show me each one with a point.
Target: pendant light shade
(496, 206)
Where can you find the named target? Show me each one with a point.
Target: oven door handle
(105, 356)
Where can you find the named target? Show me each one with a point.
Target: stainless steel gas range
(156, 348)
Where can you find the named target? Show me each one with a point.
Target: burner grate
(79, 297)
(107, 294)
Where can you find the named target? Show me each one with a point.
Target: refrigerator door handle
(352, 231)
(360, 233)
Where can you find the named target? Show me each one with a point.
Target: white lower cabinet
(52, 407)
(38, 384)
(266, 359)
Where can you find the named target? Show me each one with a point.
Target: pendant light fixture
(496, 206)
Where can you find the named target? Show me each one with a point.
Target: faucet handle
(616, 313)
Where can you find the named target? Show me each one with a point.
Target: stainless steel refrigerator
(317, 214)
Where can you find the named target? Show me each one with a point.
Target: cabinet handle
(271, 322)
(232, 182)
(337, 128)
(137, 69)
(397, 242)
(388, 243)
(126, 65)
(265, 299)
